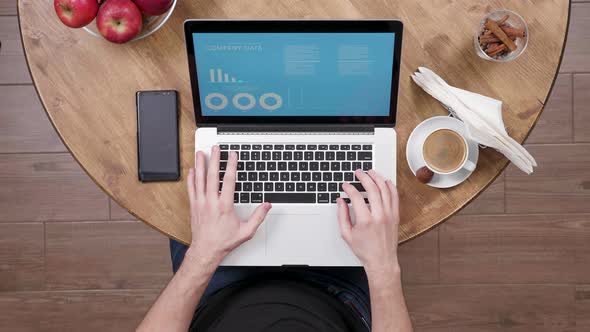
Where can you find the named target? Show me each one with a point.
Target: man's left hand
(216, 228)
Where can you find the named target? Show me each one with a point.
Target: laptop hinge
(295, 129)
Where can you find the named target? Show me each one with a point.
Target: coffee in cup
(445, 151)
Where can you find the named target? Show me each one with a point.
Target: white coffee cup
(446, 133)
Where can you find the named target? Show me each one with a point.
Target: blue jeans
(348, 284)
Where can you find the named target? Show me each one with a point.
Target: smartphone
(157, 136)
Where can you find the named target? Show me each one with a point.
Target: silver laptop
(304, 104)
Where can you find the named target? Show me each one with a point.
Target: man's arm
(388, 307)
(175, 307)
(373, 238)
(216, 231)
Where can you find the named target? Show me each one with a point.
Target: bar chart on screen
(216, 75)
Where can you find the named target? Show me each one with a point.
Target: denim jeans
(348, 284)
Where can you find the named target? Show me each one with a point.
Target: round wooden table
(88, 85)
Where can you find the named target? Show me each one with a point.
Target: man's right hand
(374, 236)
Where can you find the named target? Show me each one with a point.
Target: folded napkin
(482, 117)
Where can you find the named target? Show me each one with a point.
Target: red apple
(119, 20)
(154, 7)
(76, 13)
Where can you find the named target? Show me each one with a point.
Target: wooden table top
(88, 86)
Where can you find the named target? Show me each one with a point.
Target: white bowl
(151, 24)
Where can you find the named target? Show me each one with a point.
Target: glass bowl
(514, 20)
(151, 24)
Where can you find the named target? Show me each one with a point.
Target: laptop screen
(345, 74)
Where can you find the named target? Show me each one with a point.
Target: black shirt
(275, 305)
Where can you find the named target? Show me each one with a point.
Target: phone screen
(157, 135)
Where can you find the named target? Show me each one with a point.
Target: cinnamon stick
(491, 46)
(512, 32)
(491, 39)
(496, 30)
(502, 20)
(496, 50)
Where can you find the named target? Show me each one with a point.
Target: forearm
(175, 307)
(388, 306)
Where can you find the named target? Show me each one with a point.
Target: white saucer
(414, 153)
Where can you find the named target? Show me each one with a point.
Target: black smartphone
(157, 136)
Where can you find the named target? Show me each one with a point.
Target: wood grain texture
(106, 255)
(38, 187)
(487, 308)
(582, 107)
(556, 123)
(21, 257)
(515, 249)
(99, 128)
(490, 201)
(74, 310)
(583, 308)
(561, 184)
(24, 126)
(7, 7)
(118, 212)
(13, 65)
(578, 46)
(419, 259)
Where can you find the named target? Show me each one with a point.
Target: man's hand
(216, 228)
(216, 231)
(374, 236)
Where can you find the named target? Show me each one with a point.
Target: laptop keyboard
(295, 173)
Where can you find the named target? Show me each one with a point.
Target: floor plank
(118, 212)
(582, 107)
(10, 36)
(74, 311)
(515, 249)
(561, 183)
(488, 202)
(14, 70)
(556, 123)
(479, 308)
(105, 255)
(419, 258)
(583, 307)
(13, 65)
(24, 126)
(21, 257)
(575, 58)
(37, 187)
(7, 7)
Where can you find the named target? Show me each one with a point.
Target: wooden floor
(517, 259)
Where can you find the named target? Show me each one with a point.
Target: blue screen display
(294, 74)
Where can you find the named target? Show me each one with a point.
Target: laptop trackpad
(298, 239)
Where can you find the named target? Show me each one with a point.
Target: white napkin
(482, 117)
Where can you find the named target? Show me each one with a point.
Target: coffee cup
(446, 151)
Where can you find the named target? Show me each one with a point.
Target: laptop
(304, 104)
